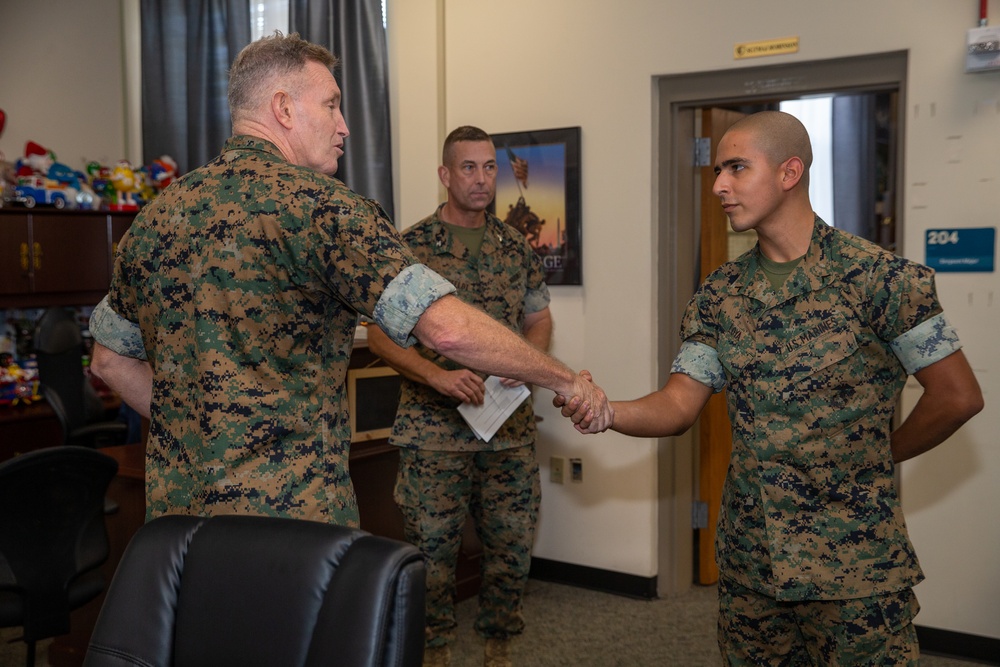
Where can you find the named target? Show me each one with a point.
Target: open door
(682, 101)
(715, 441)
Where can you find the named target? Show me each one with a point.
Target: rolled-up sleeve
(700, 362)
(406, 298)
(116, 333)
(930, 341)
(536, 300)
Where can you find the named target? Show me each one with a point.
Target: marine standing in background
(445, 471)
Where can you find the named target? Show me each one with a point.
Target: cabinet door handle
(38, 256)
(24, 257)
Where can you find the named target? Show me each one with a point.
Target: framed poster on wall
(538, 193)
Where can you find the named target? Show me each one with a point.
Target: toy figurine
(126, 184)
(36, 160)
(39, 179)
(17, 385)
(100, 180)
(42, 180)
(162, 171)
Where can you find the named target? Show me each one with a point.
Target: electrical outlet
(576, 470)
(557, 466)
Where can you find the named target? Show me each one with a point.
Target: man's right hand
(462, 384)
(588, 407)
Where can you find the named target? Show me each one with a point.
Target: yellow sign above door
(770, 47)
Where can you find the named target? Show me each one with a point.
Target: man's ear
(283, 108)
(792, 171)
(444, 176)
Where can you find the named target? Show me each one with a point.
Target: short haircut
(779, 136)
(463, 133)
(254, 70)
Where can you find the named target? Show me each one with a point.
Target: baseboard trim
(959, 645)
(630, 585)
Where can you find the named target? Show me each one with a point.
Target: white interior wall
(522, 65)
(61, 79)
(953, 173)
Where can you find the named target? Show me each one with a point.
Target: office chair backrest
(51, 531)
(59, 355)
(262, 591)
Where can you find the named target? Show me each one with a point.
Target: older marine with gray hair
(235, 297)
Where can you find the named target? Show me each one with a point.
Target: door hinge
(699, 515)
(702, 151)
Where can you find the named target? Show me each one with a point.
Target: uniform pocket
(817, 349)
(735, 353)
(898, 609)
(820, 373)
(406, 492)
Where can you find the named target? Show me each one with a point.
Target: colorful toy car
(31, 191)
(34, 190)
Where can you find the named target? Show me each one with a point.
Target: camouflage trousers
(756, 629)
(435, 491)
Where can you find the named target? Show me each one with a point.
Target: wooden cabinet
(51, 258)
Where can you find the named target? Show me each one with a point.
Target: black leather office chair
(59, 353)
(243, 590)
(52, 537)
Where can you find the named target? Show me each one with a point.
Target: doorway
(865, 87)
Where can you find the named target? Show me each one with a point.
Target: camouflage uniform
(245, 278)
(445, 470)
(813, 372)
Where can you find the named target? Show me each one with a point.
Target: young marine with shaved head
(812, 333)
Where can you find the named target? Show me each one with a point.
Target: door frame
(675, 101)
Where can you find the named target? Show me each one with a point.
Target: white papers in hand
(498, 404)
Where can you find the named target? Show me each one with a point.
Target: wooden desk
(25, 428)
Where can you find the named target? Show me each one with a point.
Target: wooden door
(714, 431)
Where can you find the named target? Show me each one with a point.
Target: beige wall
(525, 64)
(61, 85)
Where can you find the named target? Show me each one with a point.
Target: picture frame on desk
(372, 397)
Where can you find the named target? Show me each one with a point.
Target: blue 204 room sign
(968, 249)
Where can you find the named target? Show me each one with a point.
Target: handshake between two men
(588, 408)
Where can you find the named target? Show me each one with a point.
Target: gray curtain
(352, 30)
(854, 174)
(187, 48)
